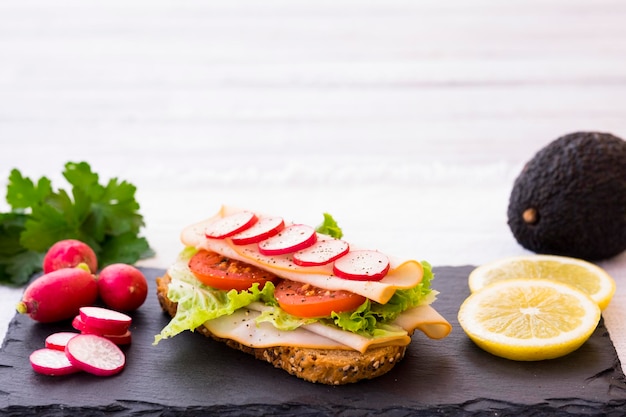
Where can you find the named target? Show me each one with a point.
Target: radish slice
(57, 341)
(292, 238)
(321, 252)
(95, 354)
(79, 324)
(265, 227)
(362, 265)
(51, 362)
(230, 225)
(119, 339)
(122, 339)
(104, 321)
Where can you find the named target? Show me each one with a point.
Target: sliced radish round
(79, 324)
(104, 321)
(265, 227)
(57, 341)
(362, 265)
(95, 354)
(51, 362)
(230, 225)
(321, 252)
(121, 339)
(291, 239)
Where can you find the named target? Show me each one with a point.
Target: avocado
(570, 198)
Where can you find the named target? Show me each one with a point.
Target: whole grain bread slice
(324, 366)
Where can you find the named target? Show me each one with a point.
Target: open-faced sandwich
(312, 304)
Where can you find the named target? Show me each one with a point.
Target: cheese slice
(242, 327)
(426, 319)
(403, 274)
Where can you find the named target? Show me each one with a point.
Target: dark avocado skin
(577, 188)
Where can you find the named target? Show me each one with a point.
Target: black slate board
(192, 375)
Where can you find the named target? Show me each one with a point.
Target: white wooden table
(408, 121)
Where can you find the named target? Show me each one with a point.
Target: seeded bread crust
(324, 366)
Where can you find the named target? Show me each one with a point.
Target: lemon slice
(529, 319)
(585, 276)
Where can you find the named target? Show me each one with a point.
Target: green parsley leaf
(22, 193)
(124, 248)
(17, 264)
(106, 217)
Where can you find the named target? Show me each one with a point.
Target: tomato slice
(223, 273)
(305, 300)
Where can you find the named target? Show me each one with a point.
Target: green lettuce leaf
(198, 303)
(368, 318)
(330, 227)
(283, 320)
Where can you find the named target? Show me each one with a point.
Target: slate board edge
(125, 408)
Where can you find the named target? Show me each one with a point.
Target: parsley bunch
(106, 217)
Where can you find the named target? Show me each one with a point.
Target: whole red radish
(122, 287)
(58, 295)
(68, 254)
